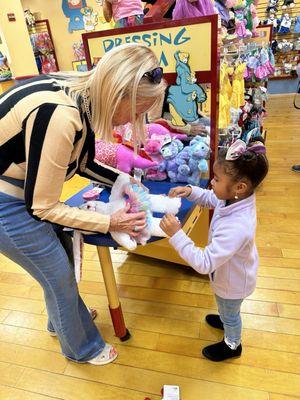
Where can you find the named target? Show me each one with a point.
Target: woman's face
(123, 114)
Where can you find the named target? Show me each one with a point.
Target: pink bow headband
(239, 147)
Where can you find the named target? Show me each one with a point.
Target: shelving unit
(42, 26)
(280, 56)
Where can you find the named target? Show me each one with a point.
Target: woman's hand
(180, 191)
(170, 224)
(122, 221)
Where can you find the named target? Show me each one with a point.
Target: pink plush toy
(121, 157)
(160, 130)
(152, 147)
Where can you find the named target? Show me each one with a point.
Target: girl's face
(123, 114)
(222, 184)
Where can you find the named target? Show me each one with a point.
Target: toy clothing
(285, 24)
(230, 258)
(224, 95)
(297, 25)
(199, 8)
(238, 86)
(130, 21)
(126, 8)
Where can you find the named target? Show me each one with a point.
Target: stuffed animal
(121, 157)
(193, 162)
(169, 151)
(162, 130)
(153, 147)
(138, 197)
(272, 6)
(285, 24)
(288, 4)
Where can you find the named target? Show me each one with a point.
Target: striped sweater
(45, 138)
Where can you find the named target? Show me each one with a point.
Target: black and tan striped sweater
(44, 140)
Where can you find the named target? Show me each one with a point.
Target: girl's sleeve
(50, 133)
(225, 243)
(203, 197)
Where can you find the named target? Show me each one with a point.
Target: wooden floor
(164, 307)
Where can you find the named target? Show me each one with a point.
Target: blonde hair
(118, 75)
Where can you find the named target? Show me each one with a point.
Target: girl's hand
(133, 224)
(170, 224)
(180, 191)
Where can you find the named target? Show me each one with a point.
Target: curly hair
(248, 165)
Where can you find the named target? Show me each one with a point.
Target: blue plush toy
(192, 161)
(169, 150)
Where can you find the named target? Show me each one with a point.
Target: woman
(47, 127)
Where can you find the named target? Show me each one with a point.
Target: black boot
(214, 320)
(220, 351)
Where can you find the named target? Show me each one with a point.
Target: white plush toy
(140, 200)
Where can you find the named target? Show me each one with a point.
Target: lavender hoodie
(230, 258)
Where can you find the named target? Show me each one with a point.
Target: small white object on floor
(171, 392)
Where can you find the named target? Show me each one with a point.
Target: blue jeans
(36, 247)
(229, 310)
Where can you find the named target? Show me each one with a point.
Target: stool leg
(112, 293)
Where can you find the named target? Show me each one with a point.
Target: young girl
(230, 258)
(124, 12)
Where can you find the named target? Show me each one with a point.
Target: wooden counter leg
(112, 293)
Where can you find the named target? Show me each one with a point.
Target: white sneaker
(107, 355)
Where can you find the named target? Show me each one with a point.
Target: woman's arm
(50, 132)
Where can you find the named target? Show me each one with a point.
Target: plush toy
(153, 147)
(121, 157)
(272, 6)
(29, 18)
(288, 4)
(272, 20)
(124, 192)
(162, 130)
(285, 24)
(193, 162)
(90, 18)
(169, 151)
(123, 134)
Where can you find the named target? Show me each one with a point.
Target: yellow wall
(15, 35)
(63, 40)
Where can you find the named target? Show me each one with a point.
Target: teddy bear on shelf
(169, 151)
(272, 20)
(193, 161)
(241, 21)
(285, 24)
(153, 147)
(288, 4)
(121, 157)
(272, 6)
(138, 197)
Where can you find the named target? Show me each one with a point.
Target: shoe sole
(104, 362)
(211, 359)
(293, 170)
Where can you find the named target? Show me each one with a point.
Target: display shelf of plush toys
(42, 43)
(284, 15)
